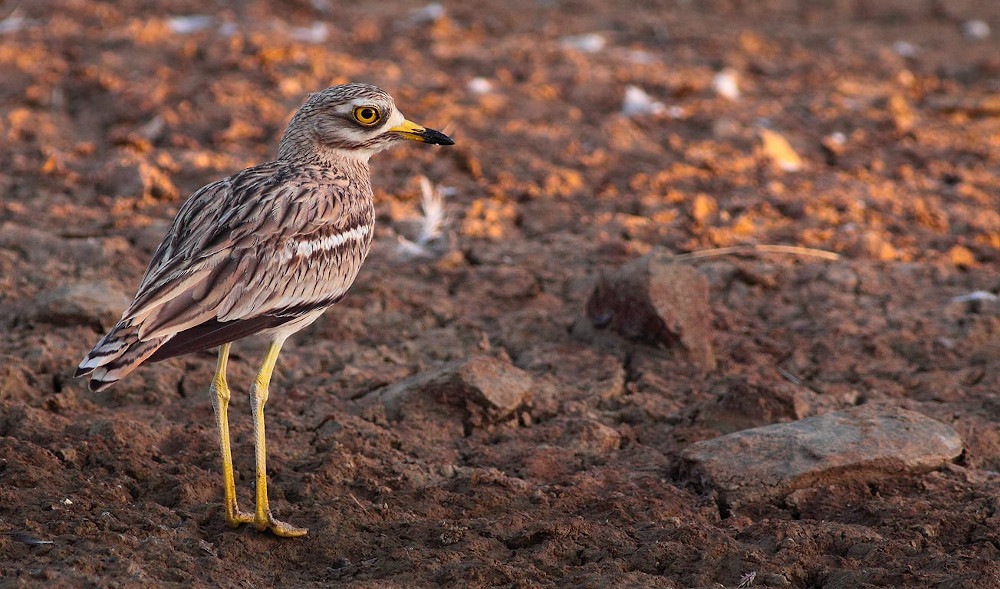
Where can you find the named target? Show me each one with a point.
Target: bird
(264, 251)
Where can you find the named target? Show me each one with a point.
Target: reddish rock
(486, 388)
(657, 300)
(589, 436)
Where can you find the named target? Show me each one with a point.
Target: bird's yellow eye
(367, 115)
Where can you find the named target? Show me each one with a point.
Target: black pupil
(367, 114)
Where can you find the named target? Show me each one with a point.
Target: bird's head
(352, 120)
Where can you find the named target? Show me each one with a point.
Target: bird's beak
(414, 132)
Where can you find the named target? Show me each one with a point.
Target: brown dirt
(108, 120)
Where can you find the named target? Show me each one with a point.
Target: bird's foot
(265, 523)
(235, 517)
(277, 527)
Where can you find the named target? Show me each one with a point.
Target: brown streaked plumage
(265, 250)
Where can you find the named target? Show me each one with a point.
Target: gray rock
(861, 443)
(84, 303)
(486, 388)
(657, 300)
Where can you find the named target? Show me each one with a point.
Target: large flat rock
(861, 443)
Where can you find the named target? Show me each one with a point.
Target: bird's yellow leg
(263, 520)
(220, 401)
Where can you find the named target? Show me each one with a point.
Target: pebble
(637, 103)
(903, 116)
(976, 29)
(588, 436)
(780, 151)
(726, 84)
(862, 443)
(655, 299)
(587, 43)
(316, 33)
(479, 85)
(905, 49)
(186, 25)
(430, 13)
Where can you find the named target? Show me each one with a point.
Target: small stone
(186, 25)
(588, 436)
(976, 29)
(861, 443)
(779, 151)
(657, 300)
(430, 13)
(479, 85)
(905, 49)
(587, 43)
(961, 256)
(84, 303)
(834, 144)
(703, 208)
(979, 302)
(902, 113)
(486, 388)
(638, 103)
(726, 84)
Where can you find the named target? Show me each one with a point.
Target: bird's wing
(268, 239)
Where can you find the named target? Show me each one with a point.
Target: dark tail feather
(117, 354)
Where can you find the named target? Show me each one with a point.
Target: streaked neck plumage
(297, 145)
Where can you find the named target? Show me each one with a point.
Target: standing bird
(265, 250)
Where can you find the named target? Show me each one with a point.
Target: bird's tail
(118, 353)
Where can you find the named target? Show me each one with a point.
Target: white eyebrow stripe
(304, 249)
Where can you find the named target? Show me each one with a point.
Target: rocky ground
(562, 388)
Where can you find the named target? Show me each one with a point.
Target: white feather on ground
(432, 239)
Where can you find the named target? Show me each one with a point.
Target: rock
(752, 400)
(834, 145)
(726, 84)
(962, 256)
(902, 113)
(84, 303)
(776, 148)
(977, 30)
(657, 300)
(486, 388)
(588, 436)
(861, 443)
(638, 103)
(587, 42)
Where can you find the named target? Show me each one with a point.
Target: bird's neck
(299, 147)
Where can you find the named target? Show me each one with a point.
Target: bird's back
(256, 251)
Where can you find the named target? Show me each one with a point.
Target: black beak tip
(437, 138)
